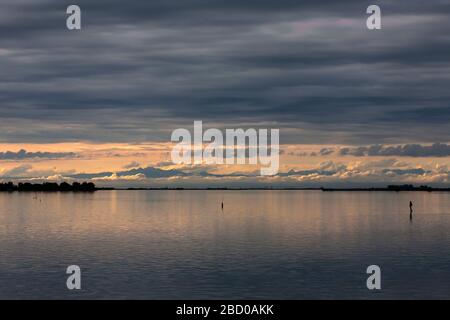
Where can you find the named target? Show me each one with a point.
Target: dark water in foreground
(266, 244)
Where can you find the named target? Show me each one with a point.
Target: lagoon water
(264, 245)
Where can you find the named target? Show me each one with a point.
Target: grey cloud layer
(23, 154)
(409, 150)
(140, 69)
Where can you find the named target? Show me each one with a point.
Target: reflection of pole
(410, 210)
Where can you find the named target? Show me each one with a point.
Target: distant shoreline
(386, 190)
(371, 189)
(90, 187)
(390, 188)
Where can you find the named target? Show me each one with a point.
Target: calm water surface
(264, 245)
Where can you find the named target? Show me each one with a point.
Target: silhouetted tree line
(48, 186)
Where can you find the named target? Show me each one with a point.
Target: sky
(355, 107)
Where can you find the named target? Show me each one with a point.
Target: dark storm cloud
(409, 150)
(326, 151)
(325, 170)
(23, 154)
(148, 172)
(139, 69)
(401, 172)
